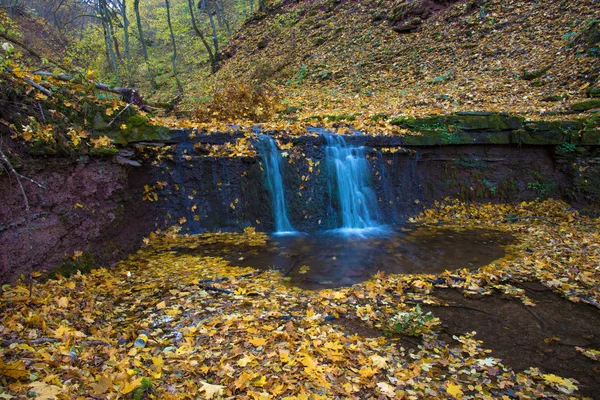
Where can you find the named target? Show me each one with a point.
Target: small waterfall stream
(272, 170)
(349, 177)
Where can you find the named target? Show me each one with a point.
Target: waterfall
(272, 171)
(349, 176)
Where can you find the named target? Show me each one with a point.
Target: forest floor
(168, 324)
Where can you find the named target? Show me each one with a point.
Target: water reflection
(323, 260)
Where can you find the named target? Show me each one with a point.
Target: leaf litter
(217, 331)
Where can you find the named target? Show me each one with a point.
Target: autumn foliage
(235, 101)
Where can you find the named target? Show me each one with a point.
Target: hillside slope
(393, 57)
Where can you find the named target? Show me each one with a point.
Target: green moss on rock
(586, 105)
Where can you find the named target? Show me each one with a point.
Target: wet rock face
(206, 193)
(102, 209)
(85, 208)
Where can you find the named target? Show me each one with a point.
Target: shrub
(238, 101)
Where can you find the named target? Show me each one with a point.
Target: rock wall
(87, 214)
(94, 212)
(206, 192)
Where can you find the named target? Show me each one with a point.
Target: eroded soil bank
(88, 213)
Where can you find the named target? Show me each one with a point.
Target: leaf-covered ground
(343, 59)
(171, 325)
(476, 53)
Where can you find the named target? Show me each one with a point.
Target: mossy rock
(524, 136)
(138, 129)
(137, 120)
(554, 98)
(104, 152)
(594, 92)
(586, 105)
(533, 75)
(590, 136)
(465, 121)
(422, 140)
(491, 122)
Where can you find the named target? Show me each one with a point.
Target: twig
(32, 341)
(28, 215)
(39, 87)
(41, 186)
(41, 112)
(119, 114)
(95, 343)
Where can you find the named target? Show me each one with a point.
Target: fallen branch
(41, 340)
(129, 95)
(39, 87)
(119, 114)
(68, 78)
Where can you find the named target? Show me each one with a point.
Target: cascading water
(272, 169)
(349, 174)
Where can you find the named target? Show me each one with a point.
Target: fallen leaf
(211, 390)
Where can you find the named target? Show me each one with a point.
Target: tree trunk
(138, 19)
(213, 28)
(211, 57)
(220, 7)
(123, 9)
(174, 56)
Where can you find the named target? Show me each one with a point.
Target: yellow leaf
(386, 389)
(378, 361)
(104, 383)
(158, 362)
(109, 111)
(454, 390)
(304, 269)
(565, 385)
(367, 372)
(43, 391)
(161, 305)
(260, 382)
(258, 341)
(244, 361)
(131, 386)
(61, 331)
(13, 370)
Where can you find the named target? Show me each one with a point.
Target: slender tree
(174, 56)
(211, 56)
(122, 7)
(138, 19)
(208, 9)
